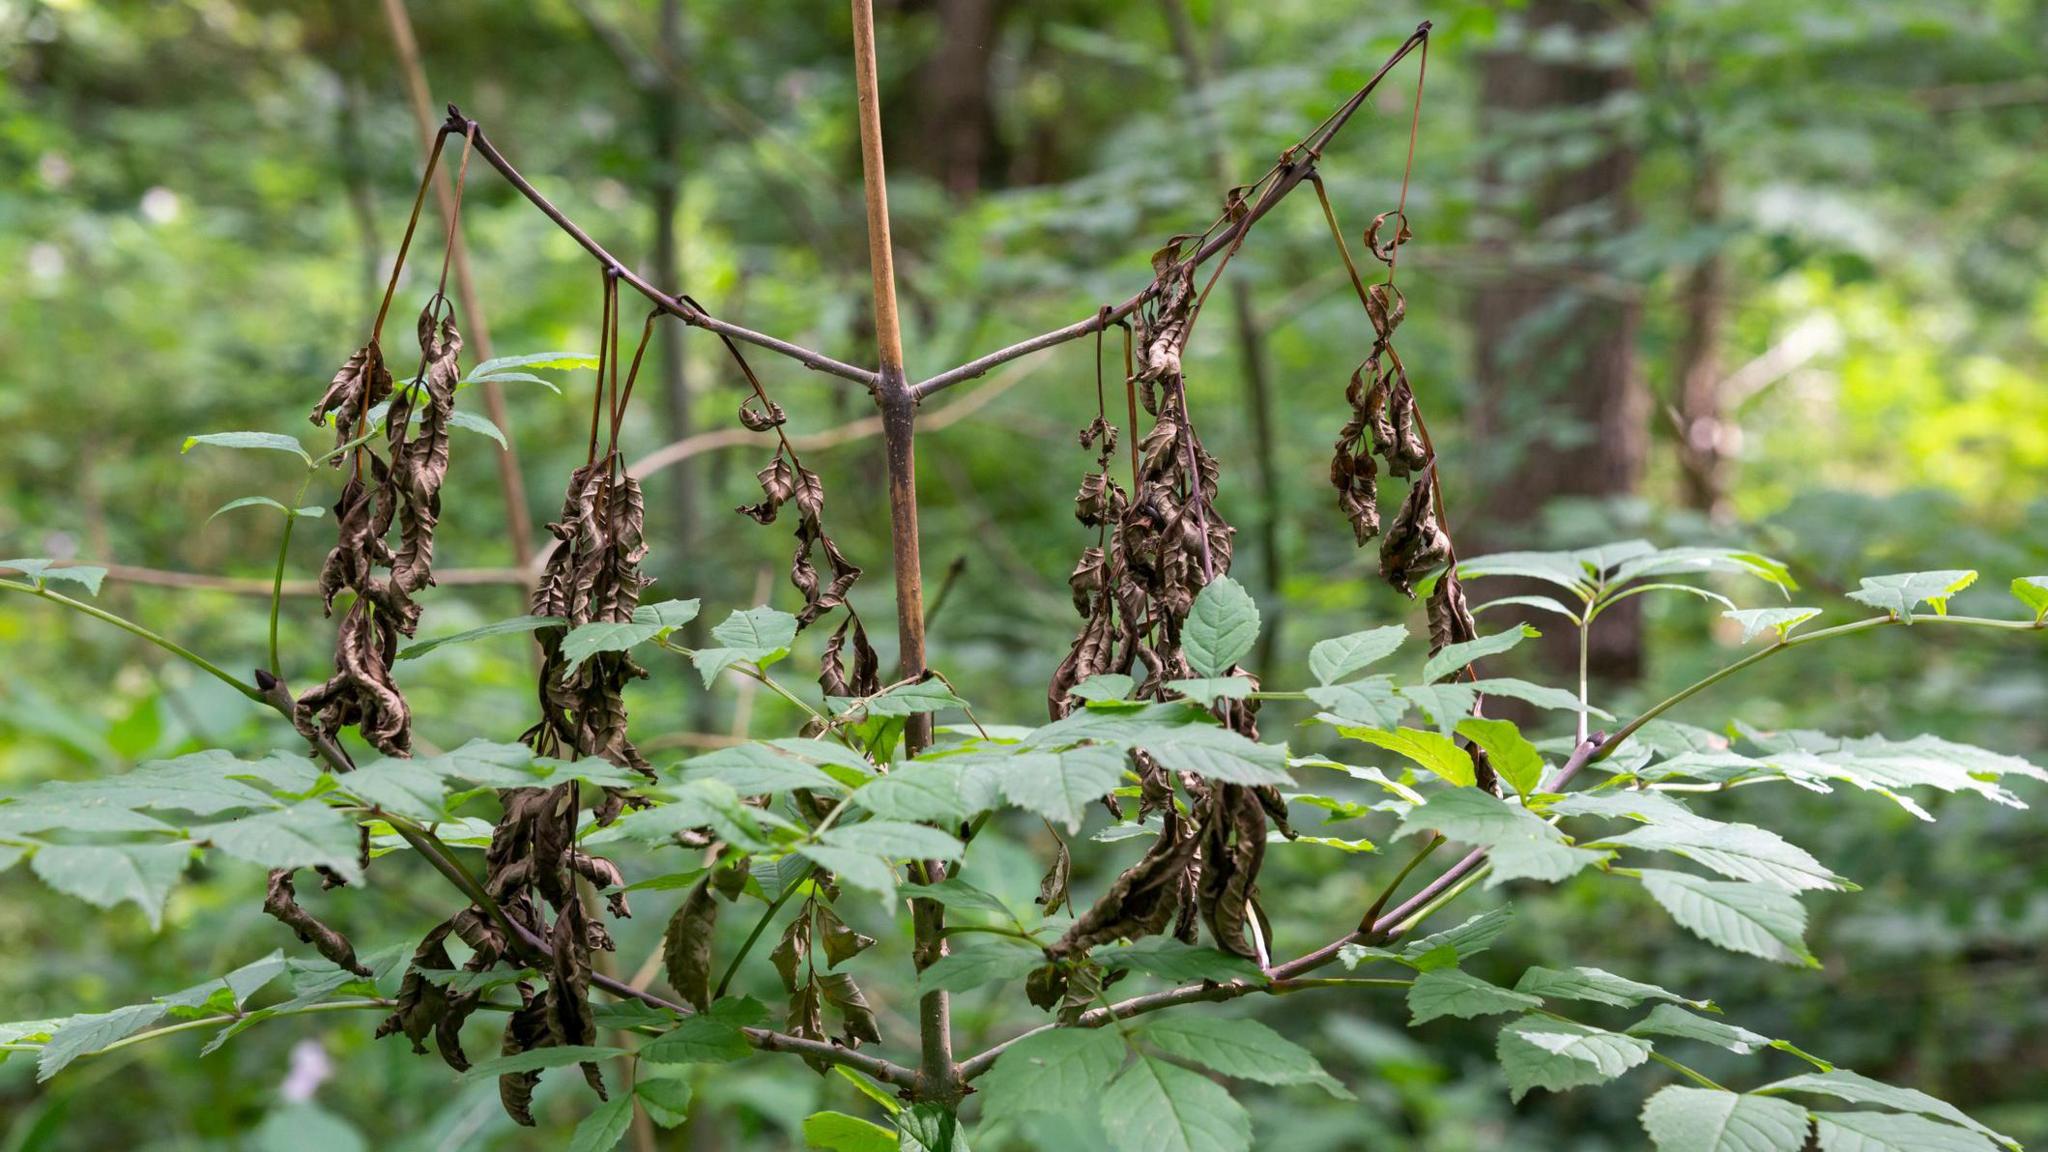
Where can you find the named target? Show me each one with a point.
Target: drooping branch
(1297, 164)
(675, 305)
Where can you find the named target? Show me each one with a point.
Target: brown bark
(1560, 405)
(1705, 438)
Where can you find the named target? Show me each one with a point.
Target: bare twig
(1296, 165)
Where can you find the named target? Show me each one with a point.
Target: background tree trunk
(1555, 339)
(954, 97)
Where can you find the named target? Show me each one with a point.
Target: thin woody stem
(938, 1078)
(672, 304)
(1299, 163)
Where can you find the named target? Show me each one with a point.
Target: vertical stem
(475, 329)
(939, 1077)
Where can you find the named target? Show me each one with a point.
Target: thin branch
(672, 304)
(1296, 165)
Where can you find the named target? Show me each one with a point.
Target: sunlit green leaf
(1901, 592)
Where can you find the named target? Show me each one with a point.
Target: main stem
(938, 1077)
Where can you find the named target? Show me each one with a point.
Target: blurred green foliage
(200, 198)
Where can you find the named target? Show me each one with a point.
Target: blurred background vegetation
(1692, 270)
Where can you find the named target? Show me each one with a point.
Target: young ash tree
(790, 855)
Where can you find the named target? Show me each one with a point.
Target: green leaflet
(1242, 1048)
(757, 769)
(1369, 703)
(308, 834)
(1514, 759)
(1671, 1020)
(666, 1099)
(838, 1132)
(1746, 918)
(601, 1129)
(1522, 845)
(894, 839)
(41, 571)
(1103, 686)
(650, 621)
(1681, 1119)
(1856, 1088)
(558, 360)
(265, 441)
(1432, 750)
(312, 512)
(471, 422)
(1456, 656)
(106, 875)
(1221, 627)
(913, 699)
(1539, 1052)
(1901, 592)
(1451, 992)
(1779, 620)
(1737, 851)
(974, 966)
(517, 624)
(1061, 786)
(1160, 1107)
(712, 1037)
(1332, 660)
(1051, 1070)
(83, 1035)
(1169, 959)
(919, 790)
(1890, 1132)
(2032, 591)
(1595, 985)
